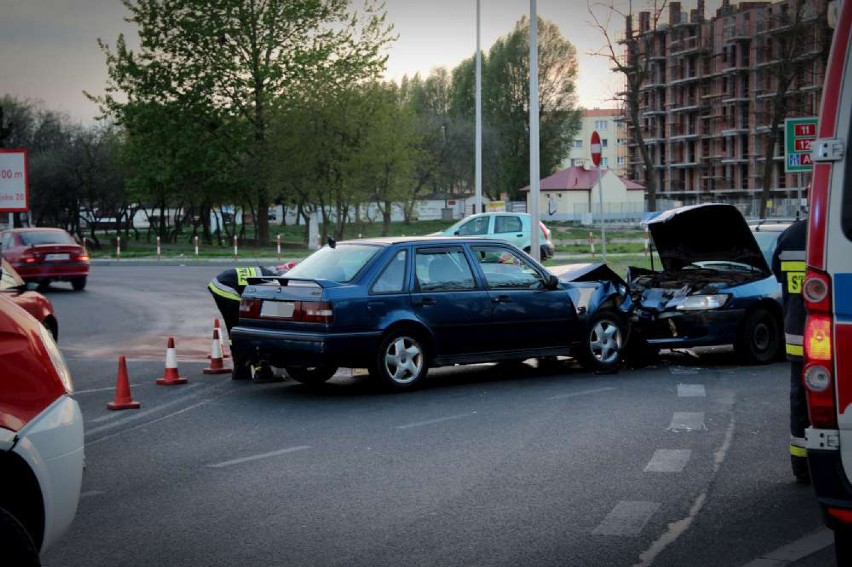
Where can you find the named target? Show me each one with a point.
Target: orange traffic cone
(216, 365)
(122, 389)
(221, 339)
(172, 376)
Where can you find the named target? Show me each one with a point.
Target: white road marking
(668, 460)
(135, 415)
(582, 393)
(91, 493)
(687, 421)
(258, 457)
(110, 389)
(691, 391)
(627, 518)
(795, 551)
(675, 529)
(433, 421)
(683, 370)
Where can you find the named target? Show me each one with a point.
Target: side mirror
(456, 233)
(552, 282)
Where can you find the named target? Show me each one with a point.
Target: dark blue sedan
(715, 286)
(398, 306)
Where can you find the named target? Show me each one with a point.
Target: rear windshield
(36, 237)
(340, 264)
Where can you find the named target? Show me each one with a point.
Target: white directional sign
(14, 184)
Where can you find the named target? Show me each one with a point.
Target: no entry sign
(14, 184)
(596, 148)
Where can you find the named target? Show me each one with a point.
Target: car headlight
(56, 358)
(700, 302)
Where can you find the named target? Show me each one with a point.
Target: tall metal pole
(535, 248)
(603, 226)
(478, 199)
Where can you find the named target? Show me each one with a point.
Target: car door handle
(501, 299)
(425, 301)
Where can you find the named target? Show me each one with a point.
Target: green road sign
(799, 134)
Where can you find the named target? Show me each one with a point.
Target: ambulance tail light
(817, 375)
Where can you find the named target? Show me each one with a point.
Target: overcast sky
(49, 51)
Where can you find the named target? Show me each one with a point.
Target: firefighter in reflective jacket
(788, 265)
(228, 286)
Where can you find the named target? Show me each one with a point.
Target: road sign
(596, 148)
(14, 184)
(799, 134)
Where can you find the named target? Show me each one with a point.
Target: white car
(41, 439)
(511, 227)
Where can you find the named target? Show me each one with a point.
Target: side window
(443, 269)
(392, 278)
(507, 224)
(475, 226)
(504, 269)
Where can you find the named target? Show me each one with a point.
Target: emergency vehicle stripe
(790, 266)
(826, 129)
(792, 255)
(794, 339)
(224, 291)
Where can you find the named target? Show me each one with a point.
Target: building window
(577, 162)
(601, 124)
(619, 160)
(621, 141)
(604, 143)
(577, 144)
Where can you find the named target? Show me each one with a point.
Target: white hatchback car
(511, 227)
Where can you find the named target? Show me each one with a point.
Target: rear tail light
(28, 258)
(818, 375)
(250, 308)
(303, 311)
(83, 257)
(841, 514)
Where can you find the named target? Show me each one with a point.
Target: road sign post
(596, 159)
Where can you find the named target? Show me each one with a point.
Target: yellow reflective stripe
(795, 280)
(222, 293)
(793, 266)
(795, 350)
(797, 451)
(243, 274)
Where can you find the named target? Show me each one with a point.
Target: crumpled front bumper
(681, 329)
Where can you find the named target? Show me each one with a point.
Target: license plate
(282, 309)
(56, 257)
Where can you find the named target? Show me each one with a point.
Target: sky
(49, 50)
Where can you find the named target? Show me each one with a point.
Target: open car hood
(702, 233)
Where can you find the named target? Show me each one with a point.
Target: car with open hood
(714, 287)
(399, 306)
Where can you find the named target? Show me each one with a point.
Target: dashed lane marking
(668, 460)
(691, 391)
(258, 457)
(687, 421)
(434, 421)
(627, 518)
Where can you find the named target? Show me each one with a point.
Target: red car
(41, 439)
(45, 255)
(34, 303)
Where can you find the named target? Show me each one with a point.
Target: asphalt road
(680, 464)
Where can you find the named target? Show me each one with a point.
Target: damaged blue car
(400, 306)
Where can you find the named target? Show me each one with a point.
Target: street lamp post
(535, 248)
(478, 194)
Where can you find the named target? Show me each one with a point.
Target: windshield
(340, 264)
(35, 238)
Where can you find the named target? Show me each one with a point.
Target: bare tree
(635, 63)
(796, 38)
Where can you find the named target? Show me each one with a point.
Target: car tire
(16, 543)
(603, 346)
(760, 339)
(311, 375)
(79, 284)
(241, 369)
(400, 362)
(843, 545)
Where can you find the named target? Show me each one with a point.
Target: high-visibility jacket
(788, 265)
(231, 283)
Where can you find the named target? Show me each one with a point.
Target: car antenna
(332, 243)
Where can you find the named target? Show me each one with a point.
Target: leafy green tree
(237, 59)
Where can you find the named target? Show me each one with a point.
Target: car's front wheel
(400, 362)
(603, 346)
(311, 375)
(760, 338)
(16, 543)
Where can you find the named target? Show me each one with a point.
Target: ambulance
(827, 371)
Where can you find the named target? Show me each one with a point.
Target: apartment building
(610, 127)
(707, 100)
